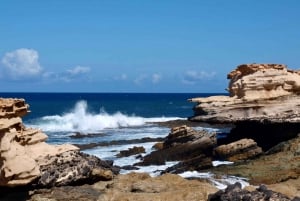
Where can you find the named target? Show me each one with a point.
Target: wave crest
(79, 119)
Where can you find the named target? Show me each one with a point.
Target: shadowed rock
(235, 192)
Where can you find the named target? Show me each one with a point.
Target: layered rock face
(257, 92)
(25, 157)
(193, 148)
(239, 150)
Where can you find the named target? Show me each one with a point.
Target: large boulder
(25, 157)
(239, 150)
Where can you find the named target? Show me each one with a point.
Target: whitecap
(79, 119)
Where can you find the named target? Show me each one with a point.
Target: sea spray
(80, 119)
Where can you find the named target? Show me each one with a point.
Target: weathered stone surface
(280, 164)
(235, 192)
(187, 145)
(134, 186)
(25, 157)
(70, 168)
(258, 92)
(131, 151)
(239, 150)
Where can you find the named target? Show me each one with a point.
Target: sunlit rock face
(258, 92)
(25, 157)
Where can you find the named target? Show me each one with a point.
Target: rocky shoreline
(262, 113)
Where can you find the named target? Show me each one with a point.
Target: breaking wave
(79, 119)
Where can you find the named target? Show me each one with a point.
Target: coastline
(52, 173)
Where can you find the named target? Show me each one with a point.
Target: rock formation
(263, 104)
(239, 150)
(259, 92)
(25, 157)
(193, 148)
(131, 151)
(133, 186)
(235, 192)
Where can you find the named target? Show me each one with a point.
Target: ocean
(121, 118)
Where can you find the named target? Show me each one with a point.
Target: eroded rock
(25, 157)
(184, 144)
(257, 92)
(235, 192)
(239, 150)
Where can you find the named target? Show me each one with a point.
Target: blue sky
(141, 45)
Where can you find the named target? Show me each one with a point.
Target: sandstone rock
(279, 165)
(134, 186)
(25, 157)
(183, 143)
(239, 150)
(258, 92)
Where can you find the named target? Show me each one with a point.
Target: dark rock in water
(78, 135)
(180, 122)
(239, 150)
(182, 143)
(117, 142)
(131, 151)
(234, 192)
(74, 168)
(129, 167)
(197, 163)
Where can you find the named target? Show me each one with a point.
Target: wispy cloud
(140, 79)
(156, 78)
(121, 77)
(21, 64)
(76, 73)
(192, 76)
(78, 70)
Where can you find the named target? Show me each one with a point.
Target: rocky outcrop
(131, 151)
(257, 92)
(235, 192)
(239, 150)
(25, 157)
(133, 186)
(279, 164)
(193, 148)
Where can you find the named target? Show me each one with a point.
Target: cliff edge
(257, 92)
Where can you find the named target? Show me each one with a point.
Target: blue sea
(107, 117)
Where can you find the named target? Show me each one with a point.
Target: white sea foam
(217, 163)
(220, 183)
(79, 119)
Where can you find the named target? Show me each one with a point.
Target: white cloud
(140, 79)
(121, 77)
(156, 78)
(192, 77)
(21, 64)
(78, 70)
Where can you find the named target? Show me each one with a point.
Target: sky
(141, 45)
